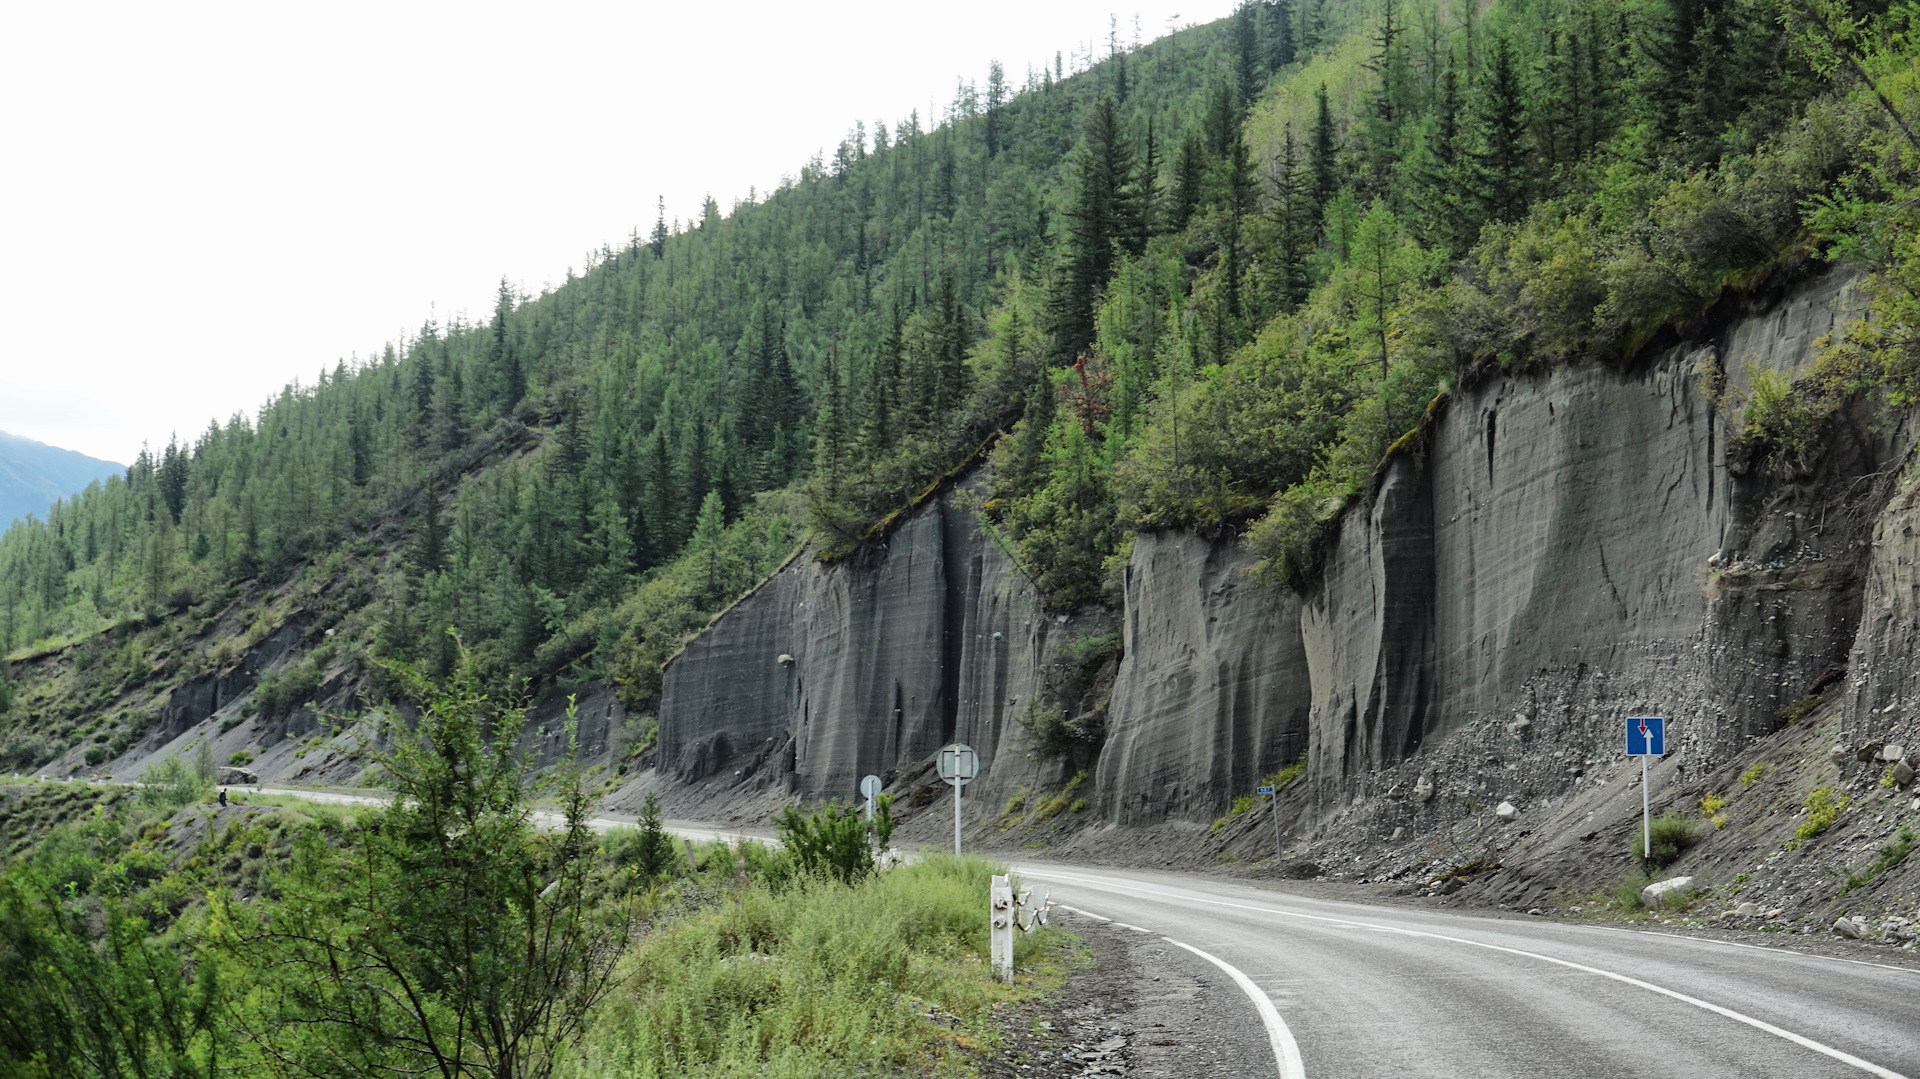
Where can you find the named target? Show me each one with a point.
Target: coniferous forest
(1203, 282)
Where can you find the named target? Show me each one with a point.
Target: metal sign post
(1274, 793)
(1646, 738)
(870, 789)
(958, 764)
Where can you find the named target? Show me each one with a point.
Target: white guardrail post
(1007, 912)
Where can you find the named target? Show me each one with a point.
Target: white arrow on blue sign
(1646, 736)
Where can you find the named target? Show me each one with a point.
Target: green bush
(828, 842)
(1673, 833)
(1823, 808)
(647, 848)
(169, 783)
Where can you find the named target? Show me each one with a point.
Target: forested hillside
(1206, 282)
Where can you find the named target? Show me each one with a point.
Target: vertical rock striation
(1560, 549)
(1212, 692)
(829, 672)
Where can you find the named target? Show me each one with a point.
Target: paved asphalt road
(1355, 991)
(1371, 991)
(693, 830)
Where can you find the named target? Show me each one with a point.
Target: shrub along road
(1365, 990)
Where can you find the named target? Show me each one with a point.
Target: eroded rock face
(1565, 548)
(1574, 547)
(1213, 691)
(831, 672)
(1883, 693)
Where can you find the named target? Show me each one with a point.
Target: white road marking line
(1770, 949)
(1286, 1052)
(1087, 913)
(1758, 1024)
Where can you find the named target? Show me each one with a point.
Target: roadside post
(1274, 794)
(1646, 738)
(1006, 912)
(870, 789)
(1000, 925)
(958, 764)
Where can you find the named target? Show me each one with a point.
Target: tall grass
(812, 977)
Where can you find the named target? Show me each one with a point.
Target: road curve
(1377, 991)
(1358, 991)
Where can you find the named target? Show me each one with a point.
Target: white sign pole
(1646, 813)
(958, 764)
(1276, 825)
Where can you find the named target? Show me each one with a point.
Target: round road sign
(958, 764)
(869, 786)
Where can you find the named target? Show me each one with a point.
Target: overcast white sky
(200, 202)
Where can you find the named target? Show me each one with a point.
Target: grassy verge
(812, 977)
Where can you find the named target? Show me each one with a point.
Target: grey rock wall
(1574, 547)
(1213, 691)
(932, 637)
(1564, 549)
(1882, 699)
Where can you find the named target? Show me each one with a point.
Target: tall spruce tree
(1102, 222)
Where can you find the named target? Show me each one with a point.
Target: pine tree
(1280, 37)
(1146, 188)
(996, 106)
(1322, 150)
(707, 547)
(1238, 191)
(830, 430)
(502, 357)
(699, 481)
(1222, 120)
(1189, 180)
(1383, 264)
(1502, 162)
(450, 407)
(662, 498)
(1290, 226)
(658, 241)
(359, 450)
(430, 544)
(1247, 73)
(612, 556)
(1387, 62)
(879, 425)
(1103, 219)
(172, 477)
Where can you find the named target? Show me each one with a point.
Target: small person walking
(223, 796)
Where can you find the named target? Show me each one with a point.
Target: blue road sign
(1263, 790)
(1646, 736)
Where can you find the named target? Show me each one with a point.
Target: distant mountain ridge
(34, 475)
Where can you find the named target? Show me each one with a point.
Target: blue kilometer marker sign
(1263, 790)
(1646, 736)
